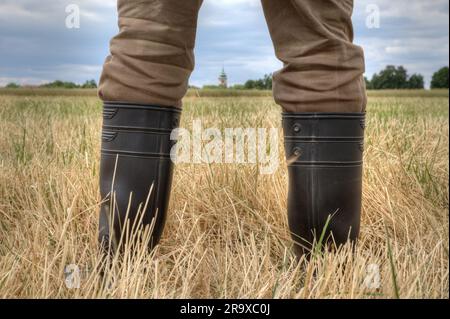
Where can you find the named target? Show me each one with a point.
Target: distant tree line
(90, 84)
(393, 77)
(260, 84)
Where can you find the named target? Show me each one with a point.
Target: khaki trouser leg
(322, 67)
(152, 56)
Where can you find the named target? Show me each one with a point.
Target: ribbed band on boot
(138, 130)
(324, 139)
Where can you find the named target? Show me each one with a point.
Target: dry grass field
(226, 234)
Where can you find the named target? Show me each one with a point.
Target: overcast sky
(36, 46)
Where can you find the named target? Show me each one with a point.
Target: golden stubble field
(227, 234)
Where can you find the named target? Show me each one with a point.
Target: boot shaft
(136, 169)
(324, 152)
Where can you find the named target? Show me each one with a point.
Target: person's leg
(323, 69)
(152, 56)
(322, 92)
(142, 85)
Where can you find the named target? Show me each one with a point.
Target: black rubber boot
(325, 160)
(135, 171)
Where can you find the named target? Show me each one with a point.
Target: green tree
(368, 83)
(91, 84)
(268, 80)
(416, 81)
(250, 85)
(393, 77)
(60, 85)
(390, 78)
(260, 84)
(440, 79)
(12, 86)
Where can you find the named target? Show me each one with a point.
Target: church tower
(223, 79)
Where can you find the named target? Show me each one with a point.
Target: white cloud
(228, 13)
